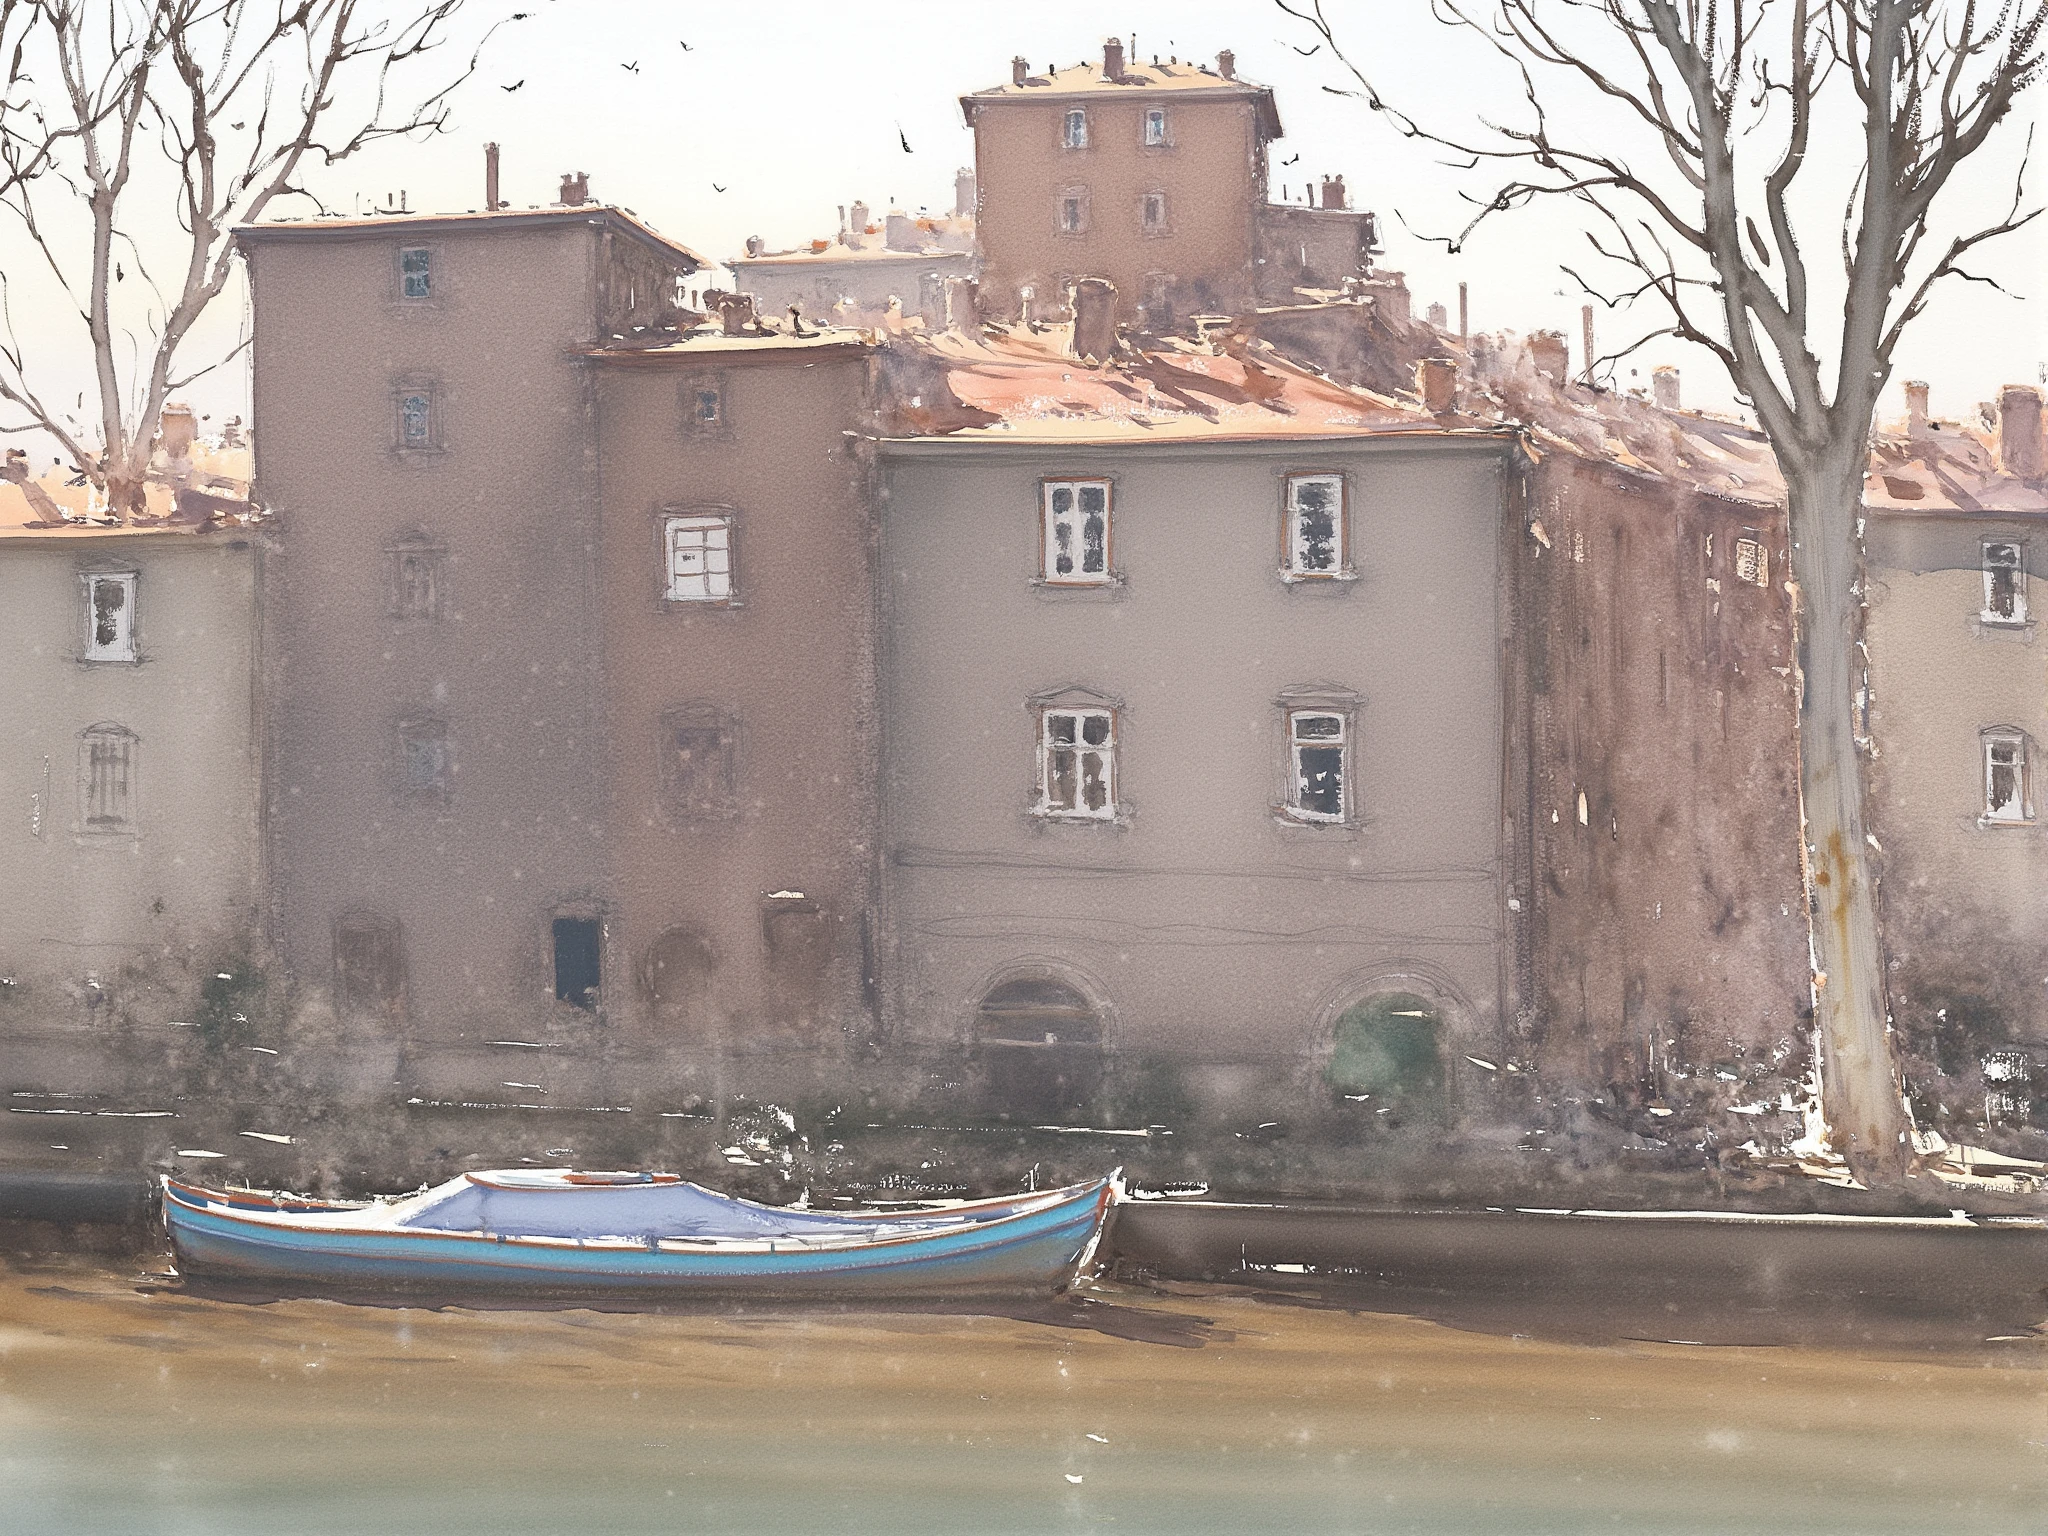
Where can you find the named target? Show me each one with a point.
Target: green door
(1387, 1047)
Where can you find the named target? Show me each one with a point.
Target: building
(1193, 681)
(133, 769)
(870, 270)
(1152, 176)
(567, 637)
(1955, 537)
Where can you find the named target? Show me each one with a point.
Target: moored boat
(561, 1230)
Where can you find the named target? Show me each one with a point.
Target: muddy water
(138, 1409)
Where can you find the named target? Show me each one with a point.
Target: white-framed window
(1152, 213)
(1076, 525)
(424, 759)
(1077, 763)
(1074, 128)
(2007, 793)
(1318, 749)
(2005, 582)
(416, 423)
(106, 777)
(109, 615)
(1155, 126)
(1315, 525)
(1073, 211)
(699, 550)
(1752, 560)
(416, 273)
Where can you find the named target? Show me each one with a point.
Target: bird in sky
(632, 68)
(1305, 52)
(903, 138)
(514, 85)
(716, 187)
(688, 49)
(1291, 158)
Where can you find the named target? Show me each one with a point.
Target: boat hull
(1035, 1252)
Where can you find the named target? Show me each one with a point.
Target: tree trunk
(1861, 1096)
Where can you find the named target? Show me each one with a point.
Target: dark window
(1315, 525)
(578, 945)
(416, 274)
(416, 419)
(1318, 765)
(697, 760)
(369, 965)
(1076, 531)
(1077, 763)
(107, 778)
(2005, 592)
(110, 617)
(707, 405)
(1074, 129)
(1155, 125)
(1041, 1048)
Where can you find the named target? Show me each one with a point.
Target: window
(423, 759)
(1752, 560)
(418, 579)
(1076, 531)
(1077, 763)
(1074, 129)
(2006, 791)
(416, 274)
(416, 418)
(369, 965)
(697, 776)
(1155, 126)
(703, 405)
(579, 945)
(110, 617)
(699, 558)
(107, 778)
(1153, 213)
(1040, 1043)
(2005, 583)
(1316, 747)
(1315, 525)
(1074, 211)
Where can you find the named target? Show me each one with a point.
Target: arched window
(1040, 1042)
(1387, 1052)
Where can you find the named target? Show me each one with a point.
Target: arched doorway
(1040, 1044)
(675, 975)
(1388, 1047)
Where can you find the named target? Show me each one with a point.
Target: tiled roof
(471, 220)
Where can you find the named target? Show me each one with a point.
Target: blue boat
(557, 1230)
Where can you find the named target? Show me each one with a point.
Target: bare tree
(1726, 102)
(154, 126)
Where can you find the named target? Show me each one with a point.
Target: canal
(130, 1404)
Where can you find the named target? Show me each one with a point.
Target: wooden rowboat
(556, 1230)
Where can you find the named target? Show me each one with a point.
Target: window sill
(1316, 578)
(1121, 817)
(1990, 823)
(1989, 628)
(701, 604)
(90, 660)
(1114, 583)
(1287, 816)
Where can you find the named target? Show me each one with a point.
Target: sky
(777, 113)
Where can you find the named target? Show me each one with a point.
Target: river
(130, 1405)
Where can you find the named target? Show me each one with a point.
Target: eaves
(1477, 443)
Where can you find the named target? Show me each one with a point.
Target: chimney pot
(176, 431)
(1020, 70)
(2021, 451)
(1664, 387)
(1113, 59)
(1436, 382)
(963, 309)
(575, 189)
(859, 225)
(1094, 318)
(1226, 64)
(491, 203)
(756, 245)
(1333, 191)
(963, 193)
(1549, 355)
(1916, 408)
(1437, 316)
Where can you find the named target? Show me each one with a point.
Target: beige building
(1956, 538)
(1154, 177)
(873, 269)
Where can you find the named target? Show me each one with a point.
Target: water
(129, 1407)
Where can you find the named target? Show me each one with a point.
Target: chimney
(900, 232)
(1020, 70)
(963, 193)
(1113, 58)
(963, 312)
(1436, 382)
(1464, 313)
(176, 431)
(491, 203)
(1549, 355)
(1389, 293)
(575, 189)
(756, 245)
(1916, 408)
(2020, 449)
(1333, 192)
(1094, 317)
(1664, 386)
(1437, 316)
(735, 310)
(1586, 341)
(859, 225)
(1226, 64)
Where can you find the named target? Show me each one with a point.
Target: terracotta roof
(1951, 468)
(471, 220)
(216, 495)
(1087, 81)
(1023, 385)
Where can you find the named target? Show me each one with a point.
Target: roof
(809, 256)
(1022, 385)
(623, 220)
(1086, 82)
(711, 341)
(1947, 468)
(215, 496)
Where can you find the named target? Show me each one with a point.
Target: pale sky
(795, 108)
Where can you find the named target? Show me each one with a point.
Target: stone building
(873, 269)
